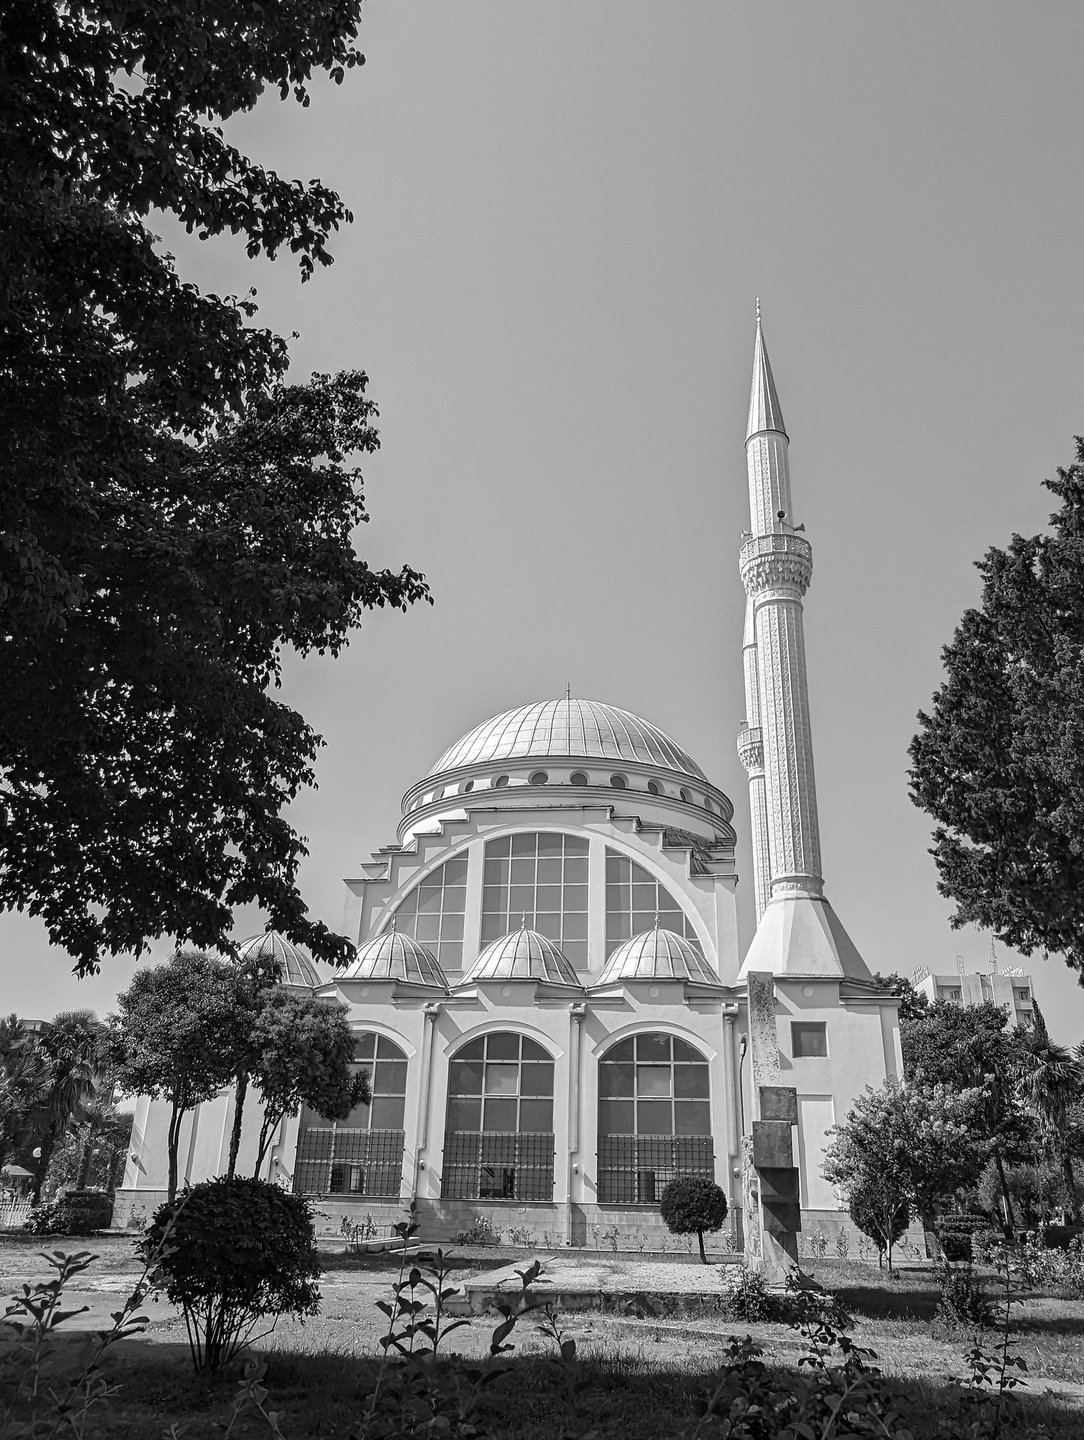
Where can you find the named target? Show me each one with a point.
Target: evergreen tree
(999, 760)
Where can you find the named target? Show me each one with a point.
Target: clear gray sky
(564, 212)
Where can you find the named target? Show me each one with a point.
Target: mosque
(549, 992)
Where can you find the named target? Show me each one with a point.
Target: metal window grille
(349, 1162)
(635, 1169)
(492, 1165)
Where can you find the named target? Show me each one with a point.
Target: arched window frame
(514, 1162)
(636, 1161)
(363, 1154)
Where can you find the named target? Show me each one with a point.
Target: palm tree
(1049, 1082)
(71, 1043)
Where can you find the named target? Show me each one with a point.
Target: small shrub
(879, 1219)
(964, 1302)
(690, 1205)
(76, 1212)
(752, 1300)
(843, 1244)
(612, 1236)
(817, 1245)
(957, 1235)
(482, 1232)
(520, 1235)
(241, 1251)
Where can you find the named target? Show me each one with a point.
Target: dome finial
(523, 921)
(393, 922)
(656, 919)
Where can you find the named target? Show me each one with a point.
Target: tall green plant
(72, 1044)
(1050, 1083)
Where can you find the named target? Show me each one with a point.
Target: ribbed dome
(657, 955)
(392, 956)
(523, 955)
(291, 965)
(568, 729)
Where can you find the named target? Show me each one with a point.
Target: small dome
(292, 966)
(568, 729)
(657, 955)
(523, 955)
(392, 956)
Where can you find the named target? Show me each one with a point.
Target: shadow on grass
(619, 1396)
(386, 1263)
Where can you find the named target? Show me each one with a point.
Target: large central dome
(568, 729)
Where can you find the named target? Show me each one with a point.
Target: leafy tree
(881, 1209)
(999, 760)
(912, 1144)
(1035, 1189)
(969, 1047)
(23, 1077)
(1050, 1084)
(690, 1205)
(177, 1035)
(71, 1045)
(174, 514)
(912, 1001)
(303, 1053)
(233, 1252)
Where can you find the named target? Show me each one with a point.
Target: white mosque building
(549, 992)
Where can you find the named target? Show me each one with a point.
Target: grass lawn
(637, 1379)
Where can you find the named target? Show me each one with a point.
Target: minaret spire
(797, 933)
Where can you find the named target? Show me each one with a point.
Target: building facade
(549, 992)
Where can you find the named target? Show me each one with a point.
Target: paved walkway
(576, 1282)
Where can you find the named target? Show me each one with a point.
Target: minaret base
(800, 935)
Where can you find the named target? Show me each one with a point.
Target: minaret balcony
(781, 559)
(751, 748)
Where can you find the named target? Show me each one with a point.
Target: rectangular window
(808, 1038)
(543, 881)
(949, 992)
(362, 1162)
(482, 1166)
(635, 1169)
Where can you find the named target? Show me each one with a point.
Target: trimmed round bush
(690, 1205)
(233, 1253)
(955, 1232)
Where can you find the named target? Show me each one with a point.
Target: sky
(564, 213)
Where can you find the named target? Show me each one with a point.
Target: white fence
(13, 1213)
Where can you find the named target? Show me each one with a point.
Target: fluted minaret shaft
(751, 754)
(776, 566)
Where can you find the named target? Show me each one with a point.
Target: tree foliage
(907, 1145)
(174, 514)
(23, 1080)
(176, 1036)
(999, 760)
(71, 1045)
(881, 1209)
(690, 1205)
(233, 1252)
(912, 1001)
(302, 1053)
(1050, 1085)
(971, 1048)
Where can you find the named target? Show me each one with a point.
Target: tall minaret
(797, 932)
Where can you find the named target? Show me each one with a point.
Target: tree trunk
(48, 1145)
(85, 1160)
(703, 1256)
(270, 1120)
(933, 1241)
(238, 1120)
(172, 1142)
(1070, 1186)
(1010, 1215)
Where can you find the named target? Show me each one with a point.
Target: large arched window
(432, 913)
(363, 1154)
(633, 901)
(542, 877)
(498, 1139)
(654, 1118)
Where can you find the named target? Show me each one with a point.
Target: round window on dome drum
(500, 782)
(618, 782)
(654, 788)
(684, 795)
(540, 778)
(578, 778)
(468, 787)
